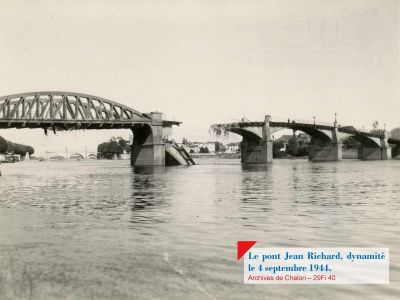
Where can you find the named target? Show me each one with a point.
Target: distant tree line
(115, 146)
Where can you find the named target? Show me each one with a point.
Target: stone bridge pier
(396, 151)
(325, 145)
(256, 146)
(379, 150)
(328, 147)
(148, 147)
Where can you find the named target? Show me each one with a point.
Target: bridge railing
(301, 121)
(377, 132)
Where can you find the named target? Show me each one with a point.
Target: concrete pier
(150, 145)
(253, 151)
(256, 150)
(396, 151)
(386, 153)
(382, 151)
(377, 153)
(365, 153)
(325, 152)
(148, 148)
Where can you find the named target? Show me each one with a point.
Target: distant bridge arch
(92, 156)
(77, 156)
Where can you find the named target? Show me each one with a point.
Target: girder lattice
(66, 109)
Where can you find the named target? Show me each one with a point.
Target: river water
(104, 230)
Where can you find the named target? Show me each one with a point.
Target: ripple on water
(99, 229)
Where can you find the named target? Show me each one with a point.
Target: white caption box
(316, 266)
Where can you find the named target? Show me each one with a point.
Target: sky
(205, 62)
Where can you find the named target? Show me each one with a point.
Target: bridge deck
(66, 124)
(76, 124)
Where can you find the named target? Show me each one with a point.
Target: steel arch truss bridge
(63, 111)
(69, 111)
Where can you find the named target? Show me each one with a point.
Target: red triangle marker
(243, 247)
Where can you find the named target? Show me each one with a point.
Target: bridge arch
(364, 140)
(256, 145)
(142, 134)
(248, 133)
(66, 110)
(77, 156)
(395, 136)
(92, 156)
(315, 134)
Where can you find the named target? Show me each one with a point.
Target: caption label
(316, 266)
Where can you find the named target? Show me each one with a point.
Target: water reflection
(256, 167)
(149, 170)
(149, 194)
(256, 195)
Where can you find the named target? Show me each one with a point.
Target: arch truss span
(54, 110)
(66, 110)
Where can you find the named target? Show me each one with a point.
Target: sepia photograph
(199, 149)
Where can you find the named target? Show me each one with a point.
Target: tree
(122, 143)
(101, 148)
(115, 146)
(204, 150)
(303, 149)
(276, 149)
(293, 147)
(216, 146)
(185, 141)
(351, 143)
(219, 147)
(303, 146)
